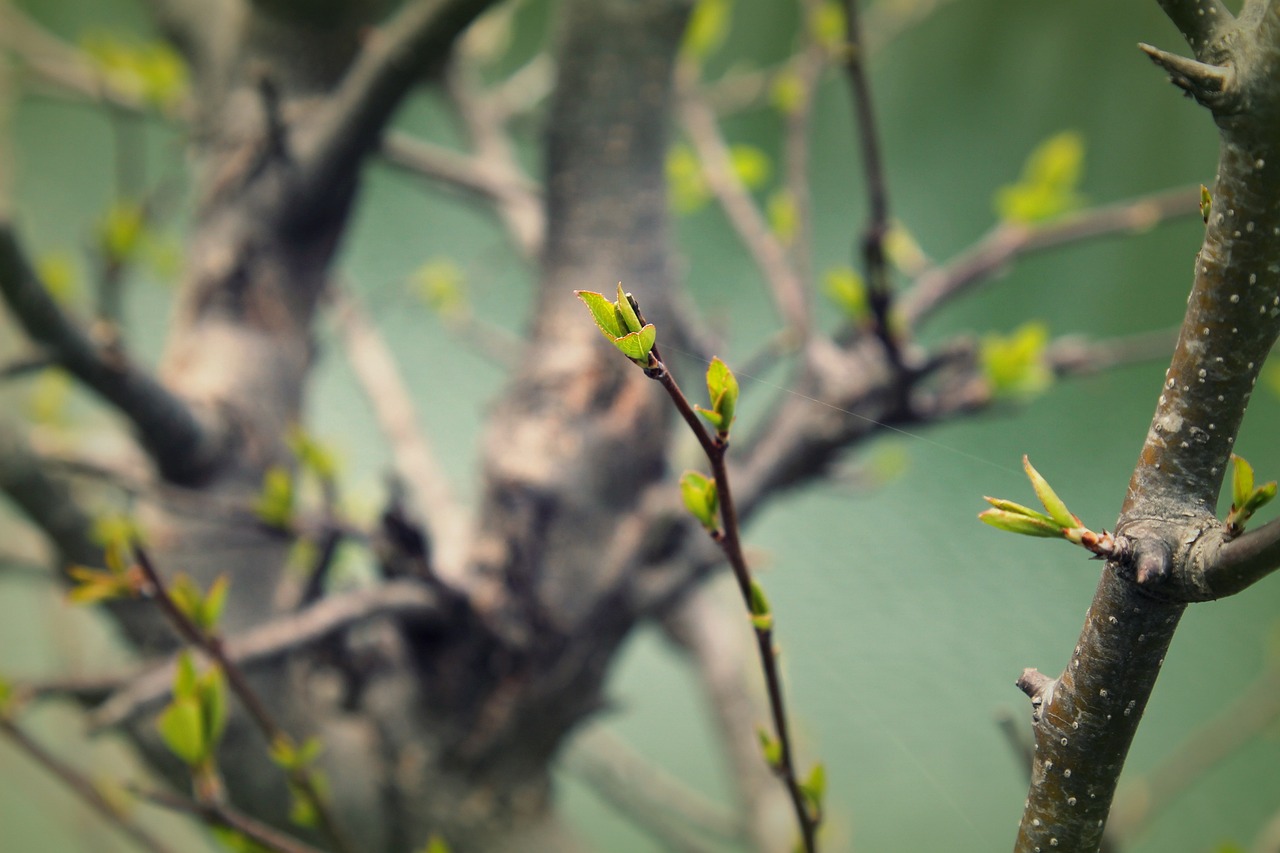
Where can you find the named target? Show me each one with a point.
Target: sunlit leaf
(1241, 480)
(750, 164)
(636, 345)
(1016, 365)
(604, 312)
(707, 28)
(1049, 183)
(58, 273)
(181, 726)
(274, 506)
(1018, 523)
(698, 492)
(1052, 503)
(846, 290)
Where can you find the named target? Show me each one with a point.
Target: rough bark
(1086, 718)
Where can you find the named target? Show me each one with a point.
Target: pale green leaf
(182, 728)
(1052, 503)
(604, 312)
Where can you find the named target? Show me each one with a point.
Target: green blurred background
(903, 621)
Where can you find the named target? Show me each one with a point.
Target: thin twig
(224, 815)
(81, 786)
(213, 646)
(415, 461)
(135, 691)
(730, 541)
(652, 798)
(770, 256)
(182, 443)
(875, 263)
(1009, 241)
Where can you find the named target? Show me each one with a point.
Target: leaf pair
(722, 391)
(1246, 499)
(203, 609)
(620, 322)
(121, 578)
(1055, 522)
(193, 722)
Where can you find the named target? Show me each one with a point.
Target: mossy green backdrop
(903, 621)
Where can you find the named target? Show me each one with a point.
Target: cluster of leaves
(120, 578)
(194, 720)
(1015, 365)
(1246, 498)
(152, 71)
(299, 762)
(277, 501)
(1049, 184)
(1056, 522)
(620, 323)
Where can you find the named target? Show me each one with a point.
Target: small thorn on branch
(1208, 84)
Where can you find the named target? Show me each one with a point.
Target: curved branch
(1008, 242)
(391, 62)
(184, 443)
(1244, 561)
(144, 691)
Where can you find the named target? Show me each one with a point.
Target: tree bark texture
(1086, 718)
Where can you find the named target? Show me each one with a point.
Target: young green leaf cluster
(192, 723)
(620, 322)
(1246, 499)
(1055, 522)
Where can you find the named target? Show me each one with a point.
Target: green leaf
(770, 747)
(814, 789)
(187, 598)
(274, 506)
(637, 345)
(708, 25)
(122, 231)
(215, 601)
(441, 284)
(750, 164)
(435, 844)
(213, 702)
(827, 26)
(701, 498)
(630, 321)
(1206, 203)
(184, 676)
(1049, 181)
(1017, 365)
(761, 615)
(58, 273)
(722, 390)
(1018, 523)
(787, 92)
(1018, 509)
(181, 726)
(312, 455)
(846, 290)
(1241, 481)
(685, 179)
(1052, 503)
(604, 312)
(1260, 497)
(784, 216)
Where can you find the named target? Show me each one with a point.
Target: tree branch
(1245, 560)
(652, 798)
(81, 786)
(184, 443)
(1007, 242)
(391, 62)
(414, 459)
(139, 692)
(223, 815)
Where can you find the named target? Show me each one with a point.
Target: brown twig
(78, 784)
(213, 646)
(730, 541)
(770, 256)
(1008, 241)
(224, 815)
(875, 263)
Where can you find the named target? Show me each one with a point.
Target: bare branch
(80, 785)
(391, 62)
(788, 291)
(517, 198)
(143, 691)
(1244, 561)
(652, 798)
(875, 264)
(713, 640)
(1007, 242)
(184, 443)
(415, 460)
(222, 814)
